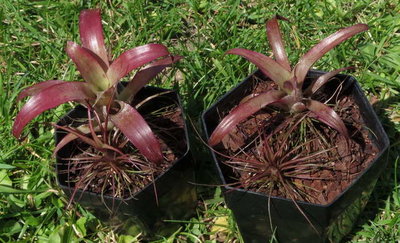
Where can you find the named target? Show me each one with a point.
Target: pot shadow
(385, 184)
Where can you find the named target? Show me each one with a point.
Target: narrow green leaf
(6, 166)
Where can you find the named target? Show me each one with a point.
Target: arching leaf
(134, 58)
(144, 76)
(323, 47)
(243, 111)
(36, 88)
(136, 129)
(83, 130)
(267, 65)
(50, 98)
(89, 67)
(327, 115)
(322, 80)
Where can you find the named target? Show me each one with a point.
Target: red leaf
(36, 88)
(144, 76)
(136, 129)
(73, 134)
(91, 33)
(323, 47)
(275, 40)
(67, 139)
(47, 99)
(79, 132)
(327, 115)
(89, 66)
(134, 58)
(267, 65)
(322, 80)
(243, 111)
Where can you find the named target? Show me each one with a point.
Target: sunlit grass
(33, 35)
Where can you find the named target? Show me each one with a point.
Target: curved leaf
(267, 65)
(83, 130)
(89, 66)
(91, 33)
(327, 115)
(136, 129)
(134, 58)
(74, 133)
(50, 98)
(275, 40)
(323, 47)
(322, 80)
(36, 88)
(145, 76)
(243, 111)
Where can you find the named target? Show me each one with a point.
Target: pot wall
(140, 213)
(253, 211)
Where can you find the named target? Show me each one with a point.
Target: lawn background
(33, 35)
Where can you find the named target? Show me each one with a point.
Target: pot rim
(352, 81)
(80, 191)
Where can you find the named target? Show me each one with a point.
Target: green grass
(33, 35)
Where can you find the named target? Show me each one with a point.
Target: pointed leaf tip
(91, 33)
(135, 58)
(36, 88)
(322, 80)
(47, 99)
(243, 111)
(323, 47)
(144, 76)
(267, 65)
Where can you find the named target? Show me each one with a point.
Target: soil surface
(123, 176)
(295, 156)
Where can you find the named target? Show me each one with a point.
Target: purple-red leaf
(144, 76)
(243, 111)
(50, 98)
(275, 40)
(136, 129)
(36, 88)
(89, 66)
(91, 33)
(267, 65)
(78, 132)
(322, 80)
(327, 115)
(134, 58)
(323, 47)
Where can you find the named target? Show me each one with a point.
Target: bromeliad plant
(112, 121)
(291, 94)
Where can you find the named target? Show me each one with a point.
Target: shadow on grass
(386, 183)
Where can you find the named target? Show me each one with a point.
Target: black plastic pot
(332, 221)
(139, 213)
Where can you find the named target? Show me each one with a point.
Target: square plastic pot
(333, 220)
(139, 213)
